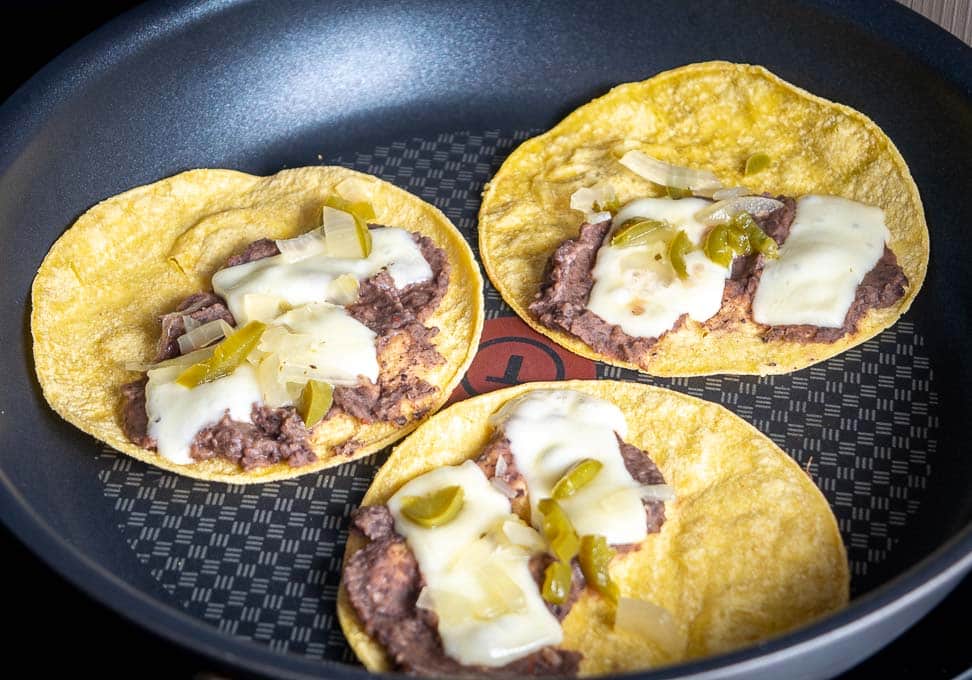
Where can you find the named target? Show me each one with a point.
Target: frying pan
(432, 97)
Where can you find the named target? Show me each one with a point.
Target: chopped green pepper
(679, 246)
(579, 475)
(558, 530)
(315, 401)
(756, 163)
(595, 557)
(226, 357)
(556, 583)
(434, 509)
(759, 240)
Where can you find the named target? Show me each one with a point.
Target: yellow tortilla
(99, 292)
(749, 549)
(710, 116)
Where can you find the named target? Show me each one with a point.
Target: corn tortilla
(710, 116)
(750, 548)
(97, 295)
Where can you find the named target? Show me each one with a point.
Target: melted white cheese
(176, 414)
(833, 243)
(460, 565)
(324, 343)
(308, 280)
(549, 432)
(636, 287)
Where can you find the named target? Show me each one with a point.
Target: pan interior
(259, 87)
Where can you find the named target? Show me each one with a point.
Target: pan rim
(945, 563)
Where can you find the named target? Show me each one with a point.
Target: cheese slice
(636, 288)
(833, 243)
(309, 279)
(176, 414)
(489, 608)
(549, 432)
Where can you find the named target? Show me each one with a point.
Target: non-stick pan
(432, 96)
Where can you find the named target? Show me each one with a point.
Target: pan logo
(510, 353)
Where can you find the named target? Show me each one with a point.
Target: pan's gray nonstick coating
(263, 562)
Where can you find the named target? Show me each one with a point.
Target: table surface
(926, 651)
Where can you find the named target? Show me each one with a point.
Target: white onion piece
(189, 323)
(522, 535)
(651, 622)
(723, 211)
(274, 391)
(203, 336)
(731, 192)
(504, 488)
(594, 218)
(425, 599)
(501, 466)
(181, 360)
(302, 247)
(343, 290)
(656, 492)
(583, 199)
(502, 594)
(262, 307)
(668, 175)
(341, 232)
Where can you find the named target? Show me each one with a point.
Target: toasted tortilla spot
(749, 550)
(132, 257)
(711, 116)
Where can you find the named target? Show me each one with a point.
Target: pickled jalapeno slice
(556, 583)
(759, 240)
(226, 357)
(558, 530)
(679, 247)
(315, 401)
(639, 231)
(595, 557)
(434, 509)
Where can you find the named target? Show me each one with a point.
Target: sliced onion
(501, 466)
(203, 336)
(649, 621)
(343, 290)
(181, 360)
(723, 211)
(656, 492)
(668, 175)
(188, 323)
(262, 307)
(302, 247)
(425, 599)
(503, 487)
(502, 594)
(520, 534)
(346, 237)
(731, 192)
(595, 218)
(583, 199)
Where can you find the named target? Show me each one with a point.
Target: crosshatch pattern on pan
(263, 562)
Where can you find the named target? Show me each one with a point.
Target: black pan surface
(432, 98)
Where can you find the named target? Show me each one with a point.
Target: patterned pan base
(262, 562)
